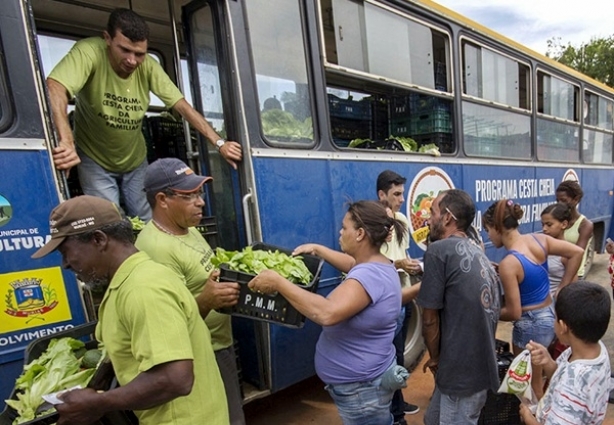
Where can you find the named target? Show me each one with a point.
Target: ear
(107, 37)
(564, 224)
(381, 194)
(161, 200)
(360, 234)
(101, 240)
(563, 326)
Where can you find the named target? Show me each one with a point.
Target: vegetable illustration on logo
(30, 299)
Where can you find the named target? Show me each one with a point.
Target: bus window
(557, 141)
(495, 77)
(494, 132)
(599, 111)
(597, 147)
(597, 141)
(280, 64)
(387, 45)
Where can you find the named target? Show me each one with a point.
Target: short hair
(572, 188)
(151, 196)
(585, 309)
(461, 205)
(121, 231)
(373, 218)
(503, 214)
(387, 179)
(130, 23)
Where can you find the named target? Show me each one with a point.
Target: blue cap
(172, 173)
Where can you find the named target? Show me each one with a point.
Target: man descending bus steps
(111, 78)
(148, 322)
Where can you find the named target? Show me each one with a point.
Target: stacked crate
(349, 119)
(166, 139)
(431, 121)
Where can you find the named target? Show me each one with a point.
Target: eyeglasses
(192, 197)
(451, 213)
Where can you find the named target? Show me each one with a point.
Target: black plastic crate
(444, 141)
(269, 308)
(501, 409)
(208, 228)
(350, 129)
(34, 350)
(347, 108)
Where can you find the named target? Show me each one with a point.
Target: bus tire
(414, 342)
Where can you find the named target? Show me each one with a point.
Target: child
(580, 378)
(555, 219)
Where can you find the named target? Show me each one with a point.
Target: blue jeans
(96, 181)
(452, 410)
(536, 325)
(362, 403)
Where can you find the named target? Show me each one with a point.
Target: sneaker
(410, 409)
(400, 422)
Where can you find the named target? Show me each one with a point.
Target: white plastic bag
(517, 380)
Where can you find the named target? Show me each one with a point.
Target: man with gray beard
(149, 324)
(460, 297)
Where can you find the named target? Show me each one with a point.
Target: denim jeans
(362, 403)
(452, 410)
(536, 325)
(96, 181)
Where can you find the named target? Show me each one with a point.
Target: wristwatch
(220, 143)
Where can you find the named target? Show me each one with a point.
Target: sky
(533, 22)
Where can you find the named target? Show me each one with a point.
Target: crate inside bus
(424, 118)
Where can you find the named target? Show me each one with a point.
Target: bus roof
(479, 28)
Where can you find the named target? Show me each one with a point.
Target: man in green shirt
(149, 324)
(111, 79)
(175, 193)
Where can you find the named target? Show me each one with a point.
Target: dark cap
(76, 216)
(172, 173)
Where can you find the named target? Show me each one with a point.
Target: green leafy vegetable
(409, 144)
(254, 261)
(56, 369)
(137, 223)
(278, 123)
(430, 148)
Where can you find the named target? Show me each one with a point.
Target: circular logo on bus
(6, 211)
(571, 175)
(423, 190)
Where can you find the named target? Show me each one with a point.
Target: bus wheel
(414, 343)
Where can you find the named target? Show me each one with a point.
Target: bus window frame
(575, 84)
(464, 96)
(366, 76)
(7, 112)
(599, 95)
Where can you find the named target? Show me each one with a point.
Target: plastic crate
(399, 107)
(34, 350)
(501, 409)
(435, 122)
(167, 138)
(346, 108)
(348, 129)
(269, 307)
(420, 104)
(400, 127)
(444, 141)
(208, 228)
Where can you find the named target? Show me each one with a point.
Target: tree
(595, 58)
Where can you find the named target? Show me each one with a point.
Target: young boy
(580, 378)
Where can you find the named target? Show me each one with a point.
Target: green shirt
(147, 318)
(190, 257)
(109, 109)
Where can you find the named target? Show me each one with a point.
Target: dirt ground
(308, 403)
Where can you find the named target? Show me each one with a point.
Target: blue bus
(323, 95)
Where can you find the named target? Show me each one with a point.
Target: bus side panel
(597, 203)
(38, 297)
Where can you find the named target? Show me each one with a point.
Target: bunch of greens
(56, 369)
(278, 123)
(253, 261)
(430, 148)
(137, 223)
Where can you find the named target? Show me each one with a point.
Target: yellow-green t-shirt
(109, 109)
(190, 257)
(147, 317)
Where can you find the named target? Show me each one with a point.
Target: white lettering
(29, 336)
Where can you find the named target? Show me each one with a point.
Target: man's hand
(217, 294)
(232, 153)
(65, 156)
(409, 266)
(80, 407)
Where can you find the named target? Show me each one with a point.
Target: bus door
(228, 91)
(38, 297)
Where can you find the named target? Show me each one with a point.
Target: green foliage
(56, 369)
(137, 223)
(594, 58)
(254, 261)
(278, 123)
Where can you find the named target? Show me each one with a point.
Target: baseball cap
(172, 173)
(76, 216)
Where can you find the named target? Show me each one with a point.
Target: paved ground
(308, 403)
